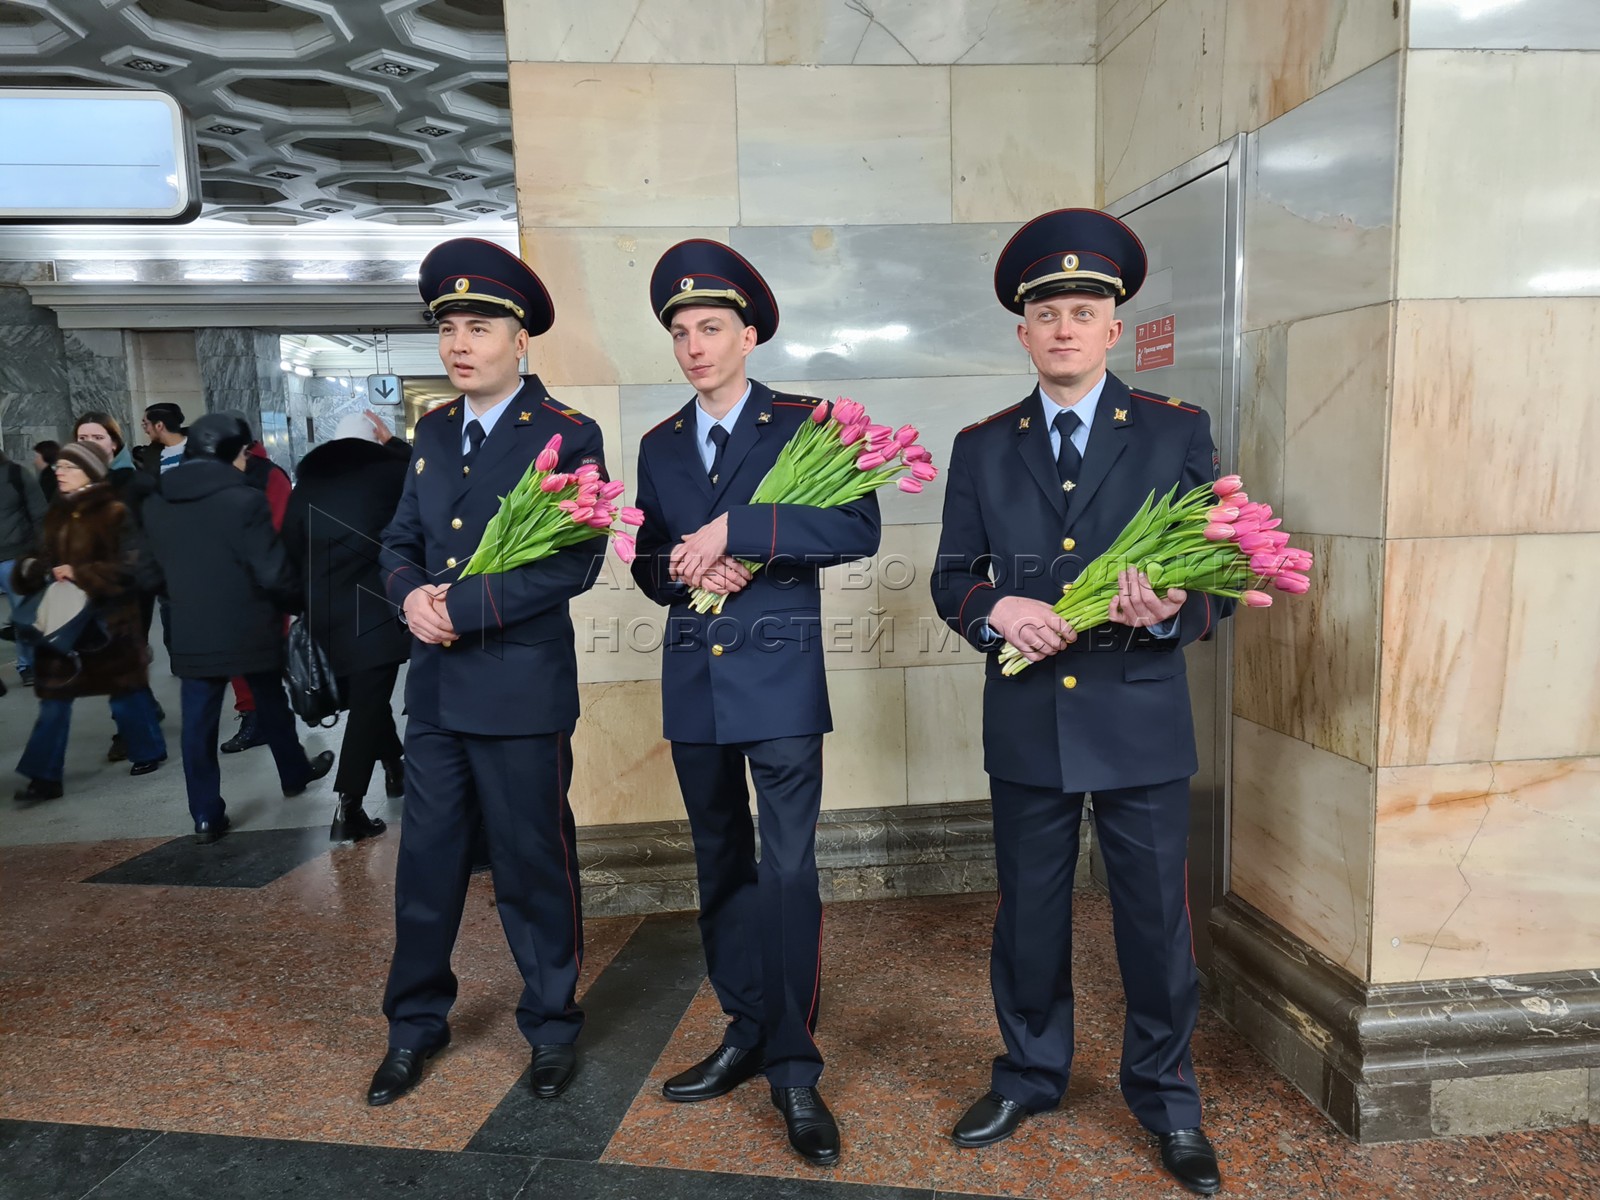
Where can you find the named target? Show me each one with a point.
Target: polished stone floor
(179, 1021)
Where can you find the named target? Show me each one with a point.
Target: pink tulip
(546, 459)
(926, 472)
(819, 414)
(1257, 600)
(879, 434)
(1218, 532)
(602, 520)
(554, 483)
(581, 514)
(1293, 582)
(917, 454)
(1298, 560)
(626, 549)
(587, 471)
(847, 412)
(568, 506)
(1227, 485)
(613, 488)
(553, 446)
(1222, 514)
(870, 462)
(909, 485)
(851, 434)
(906, 435)
(1266, 565)
(633, 516)
(1240, 499)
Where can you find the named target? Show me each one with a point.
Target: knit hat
(355, 425)
(88, 458)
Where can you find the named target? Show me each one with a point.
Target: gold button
(466, 470)
(1070, 682)
(717, 650)
(456, 524)
(1065, 588)
(1068, 544)
(449, 562)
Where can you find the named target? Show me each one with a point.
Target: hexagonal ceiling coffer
(238, 191)
(33, 32)
(390, 192)
(470, 30)
(357, 152)
(483, 97)
(241, 28)
(304, 97)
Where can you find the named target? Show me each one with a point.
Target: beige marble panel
(1161, 94)
(844, 145)
(635, 31)
(1489, 649)
(1301, 841)
(944, 732)
(865, 755)
(919, 637)
(624, 144)
(1280, 55)
(1116, 19)
(604, 330)
(617, 629)
(621, 766)
(1492, 142)
(1264, 383)
(809, 32)
(1000, 117)
(1336, 422)
(1495, 425)
(1308, 666)
(851, 616)
(1486, 869)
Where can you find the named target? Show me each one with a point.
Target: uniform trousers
(760, 921)
(1143, 834)
(369, 732)
(517, 788)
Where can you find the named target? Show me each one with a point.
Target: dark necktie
(719, 437)
(1068, 461)
(475, 436)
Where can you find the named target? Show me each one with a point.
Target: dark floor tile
(554, 1179)
(195, 1166)
(243, 859)
(62, 1161)
(630, 1013)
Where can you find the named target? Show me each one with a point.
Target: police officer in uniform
(746, 686)
(1034, 493)
(492, 691)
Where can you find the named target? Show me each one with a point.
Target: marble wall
(871, 160)
(35, 402)
(239, 372)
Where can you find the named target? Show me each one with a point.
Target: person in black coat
(229, 581)
(347, 492)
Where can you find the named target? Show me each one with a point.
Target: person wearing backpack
(90, 541)
(22, 506)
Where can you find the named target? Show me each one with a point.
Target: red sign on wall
(1154, 344)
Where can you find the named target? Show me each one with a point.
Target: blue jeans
(202, 712)
(45, 756)
(22, 610)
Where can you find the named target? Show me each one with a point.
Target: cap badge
(463, 284)
(1069, 263)
(686, 284)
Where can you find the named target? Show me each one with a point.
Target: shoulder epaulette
(571, 414)
(797, 401)
(440, 407)
(1165, 401)
(677, 416)
(1005, 412)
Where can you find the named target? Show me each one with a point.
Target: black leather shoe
(37, 790)
(398, 1073)
(812, 1130)
(320, 766)
(394, 778)
(714, 1076)
(144, 768)
(1188, 1157)
(553, 1068)
(119, 749)
(352, 824)
(992, 1119)
(206, 832)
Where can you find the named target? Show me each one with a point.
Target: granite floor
(178, 1021)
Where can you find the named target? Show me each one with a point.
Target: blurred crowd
(197, 527)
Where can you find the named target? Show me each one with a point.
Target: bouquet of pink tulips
(549, 511)
(1215, 540)
(837, 456)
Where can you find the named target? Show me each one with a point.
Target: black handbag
(313, 690)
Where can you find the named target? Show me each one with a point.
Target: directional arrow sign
(384, 389)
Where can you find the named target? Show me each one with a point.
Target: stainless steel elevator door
(1187, 316)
